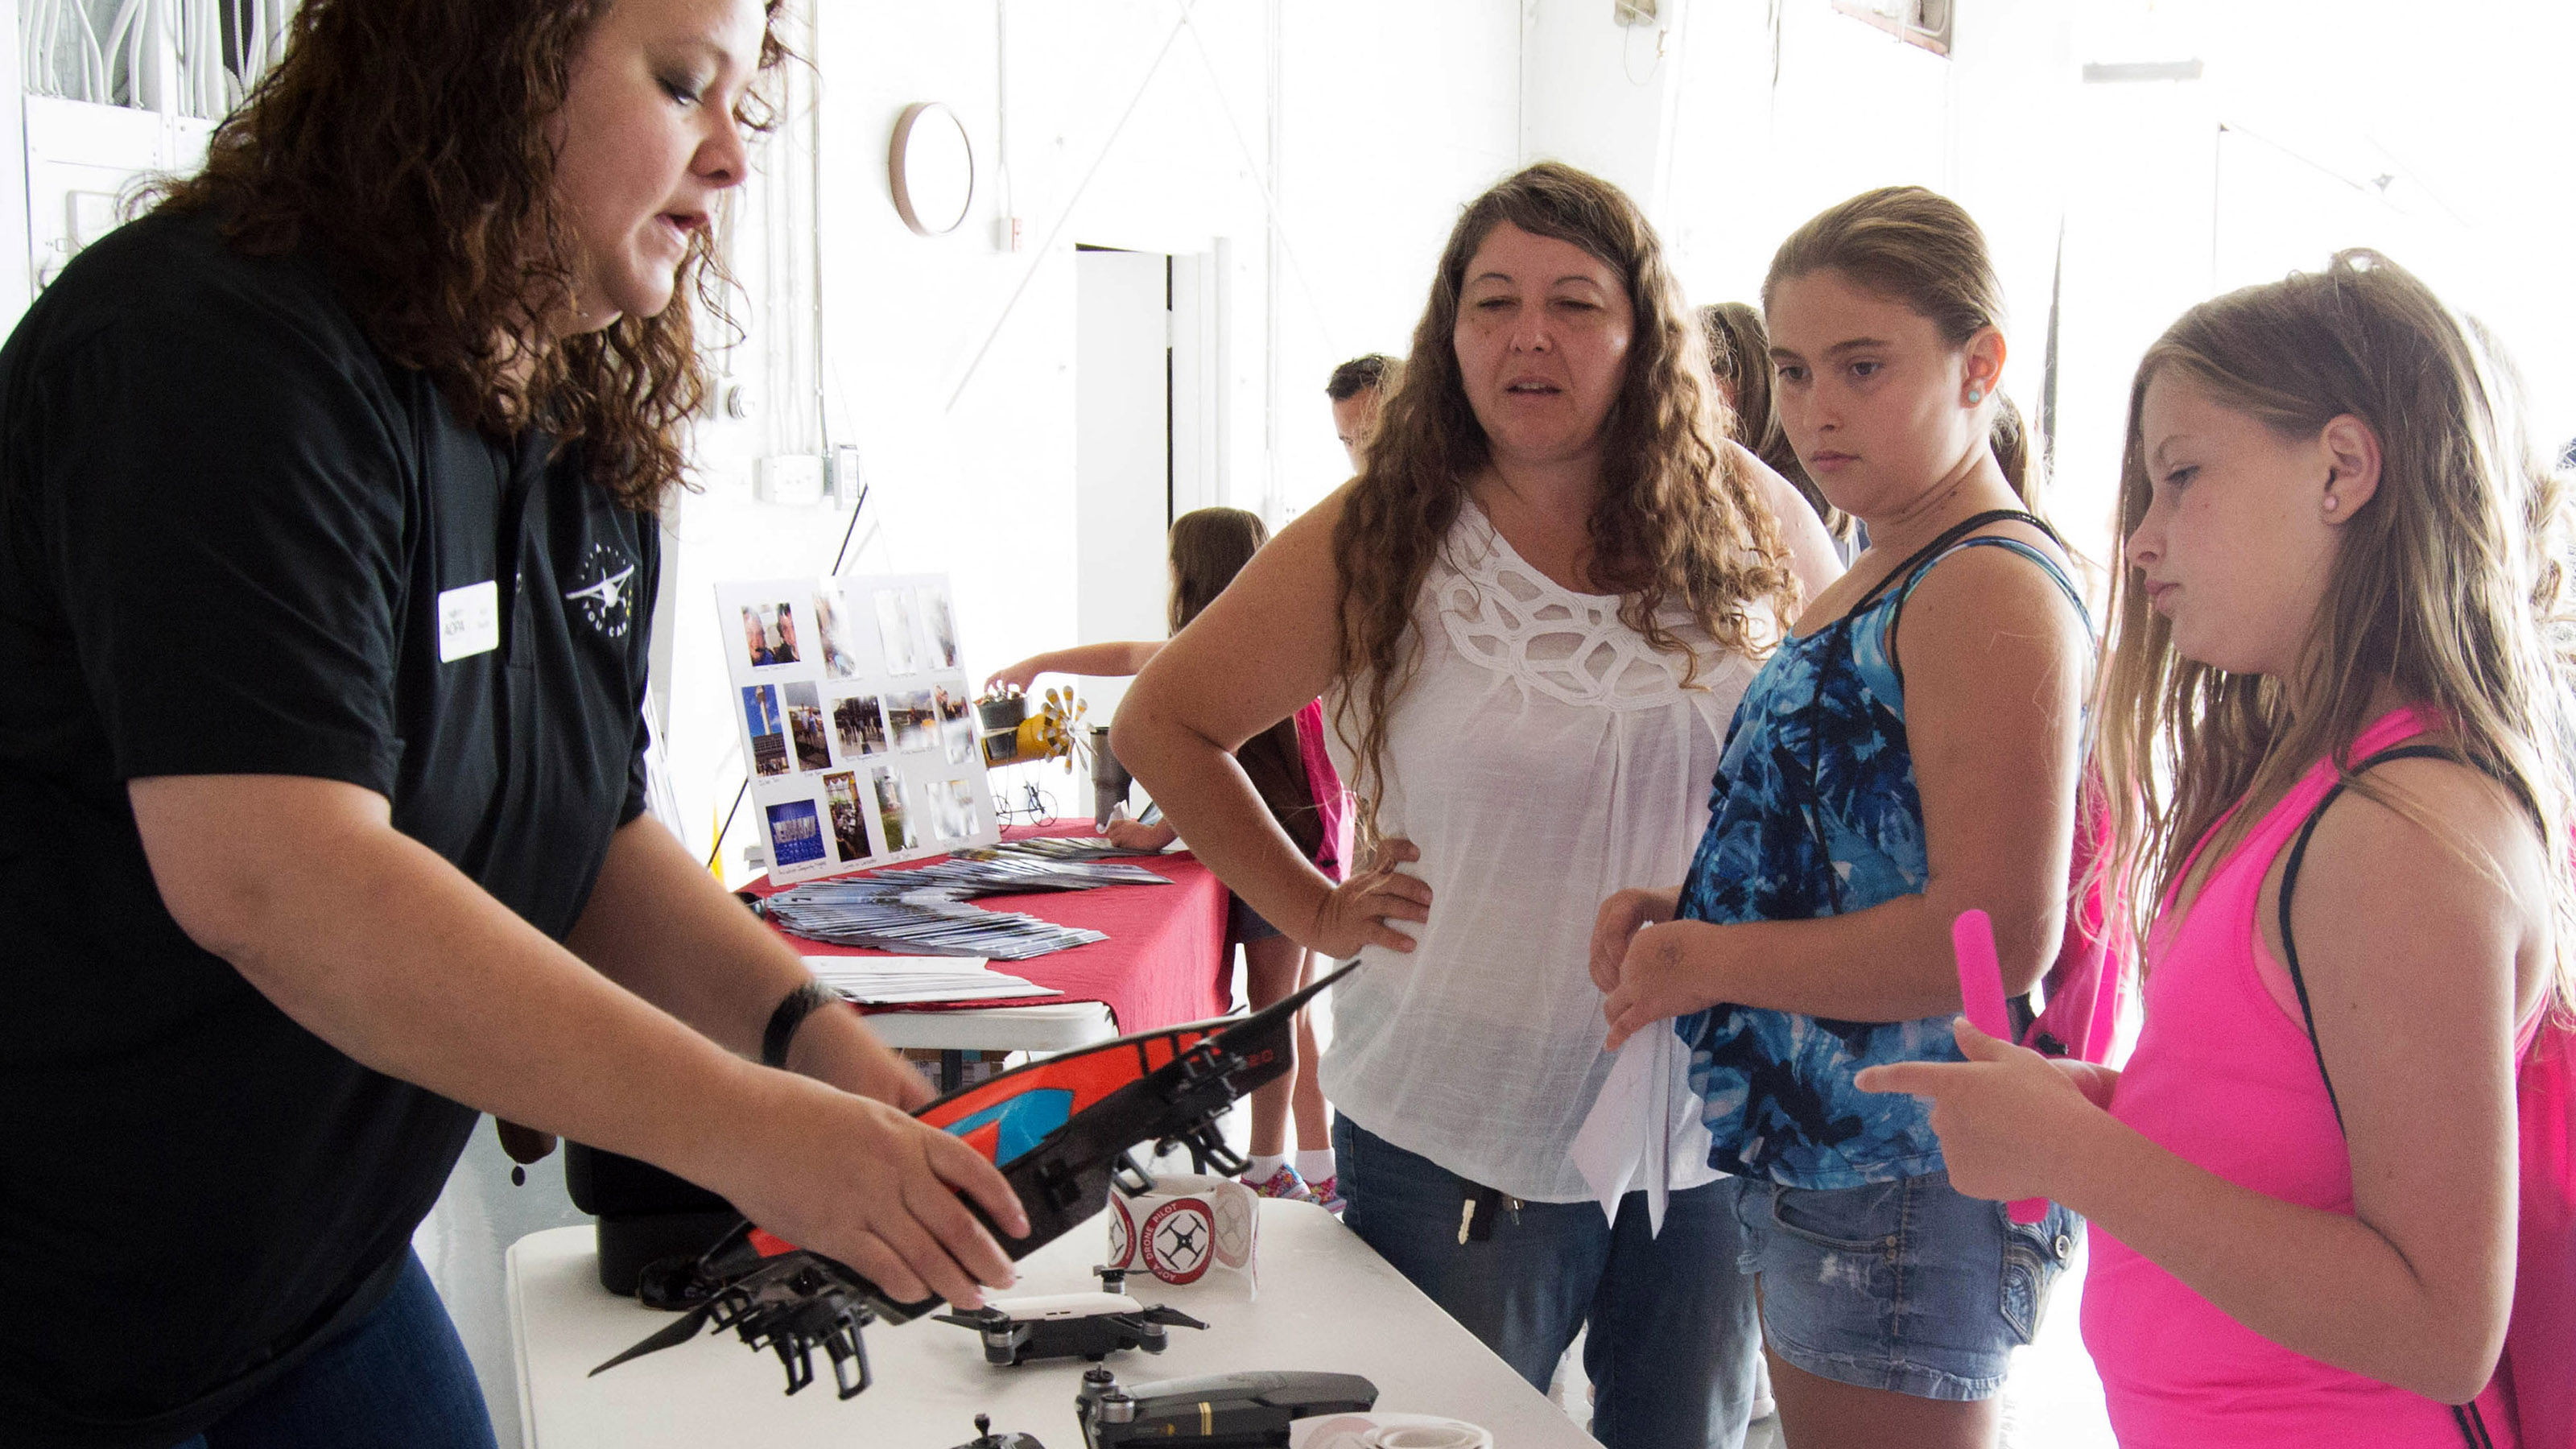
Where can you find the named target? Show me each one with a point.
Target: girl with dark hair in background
(327, 563)
(1877, 781)
(1356, 390)
(1529, 616)
(1739, 357)
(1288, 766)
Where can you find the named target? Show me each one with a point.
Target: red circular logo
(1122, 1233)
(1180, 1240)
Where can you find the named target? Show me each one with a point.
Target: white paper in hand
(1644, 1133)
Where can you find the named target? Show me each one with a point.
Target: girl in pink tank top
(2306, 1186)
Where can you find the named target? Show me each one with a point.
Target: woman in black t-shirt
(326, 571)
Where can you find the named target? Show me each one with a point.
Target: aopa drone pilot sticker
(1180, 1240)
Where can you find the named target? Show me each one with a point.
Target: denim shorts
(1243, 925)
(1909, 1286)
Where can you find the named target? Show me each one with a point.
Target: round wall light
(933, 168)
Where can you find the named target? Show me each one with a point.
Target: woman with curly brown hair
(1529, 618)
(326, 556)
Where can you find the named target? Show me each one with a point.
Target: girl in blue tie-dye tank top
(1909, 750)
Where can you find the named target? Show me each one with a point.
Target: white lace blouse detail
(1541, 756)
(1506, 615)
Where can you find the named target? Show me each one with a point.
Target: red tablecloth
(1166, 960)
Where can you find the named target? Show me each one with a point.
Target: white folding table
(1326, 1302)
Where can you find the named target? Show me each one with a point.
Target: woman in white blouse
(1530, 617)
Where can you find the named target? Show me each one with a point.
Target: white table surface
(1326, 1303)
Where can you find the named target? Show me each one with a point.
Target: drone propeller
(678, 1332)
(1167, 1317)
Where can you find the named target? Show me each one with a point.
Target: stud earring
(2330, 503)
(1976, 394)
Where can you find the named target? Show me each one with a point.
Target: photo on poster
(913, 718)
(860, 722)
(952, 809)
(849, 819)
(956, 722)
(943, 628)
(769, 634)
(891, 811)
(768, 729)
(805, 723)
(832, 629)
(795, 834)
(894, 625)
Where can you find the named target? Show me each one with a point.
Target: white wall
(1389, 117)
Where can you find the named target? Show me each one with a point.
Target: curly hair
(407, 141)
(1679, 523)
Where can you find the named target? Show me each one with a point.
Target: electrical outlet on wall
(795, 479)
(841, 477)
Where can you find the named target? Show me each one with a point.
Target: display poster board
(858, 727)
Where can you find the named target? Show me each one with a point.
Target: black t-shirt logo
(604, 601)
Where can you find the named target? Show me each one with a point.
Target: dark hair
(408, 141)
(1924, 251)
(1739, 354)
(1679, 524)
(1358, 375)
(1209, 547)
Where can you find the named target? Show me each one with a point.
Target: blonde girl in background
(2338, 711)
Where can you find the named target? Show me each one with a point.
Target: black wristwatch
(791, 1014)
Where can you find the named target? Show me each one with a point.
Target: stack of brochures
(892, 913)
(992, 874)
(1060, 847)
(917, 980)
(925, 910)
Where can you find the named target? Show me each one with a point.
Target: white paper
(917, 980)
(1644, 1132)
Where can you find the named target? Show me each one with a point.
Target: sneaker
(1285, 1183)
(1328, 1194)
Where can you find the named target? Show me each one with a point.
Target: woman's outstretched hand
(1362, 910)
(1017, 676)
(2007, 1116)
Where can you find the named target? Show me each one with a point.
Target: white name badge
(469, 621)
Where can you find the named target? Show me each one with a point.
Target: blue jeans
(400, 1378)
(1672, 1338)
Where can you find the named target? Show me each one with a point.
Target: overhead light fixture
(2120, 72)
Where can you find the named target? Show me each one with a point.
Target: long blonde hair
(2450, 582)
(1680, 520)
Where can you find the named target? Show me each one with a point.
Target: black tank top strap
(1930, 553)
